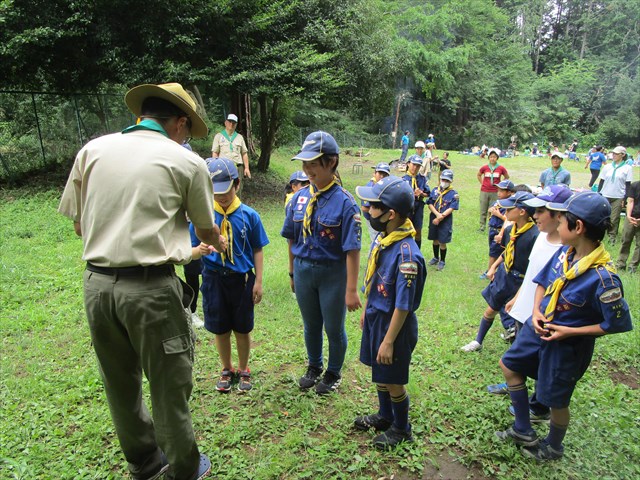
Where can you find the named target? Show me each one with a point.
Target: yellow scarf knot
(225, 227)
(306, 222)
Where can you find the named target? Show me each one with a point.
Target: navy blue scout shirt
(593, 298)
(421, 181)
(399, 278)
(335, 225)
(451, 199)
(248, 235)
(523, 246)
(495, 223)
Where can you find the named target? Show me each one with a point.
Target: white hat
(232, 118)
(620, 149)
(420, 144)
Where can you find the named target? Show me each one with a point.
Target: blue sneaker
(433, 261)
(498, 389)
(528, 439)
(542, 452)
(440, 266)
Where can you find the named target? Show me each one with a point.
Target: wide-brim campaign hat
(173, 93)
(590, 207)
(222, 172)
(553, 193)
(392, 192)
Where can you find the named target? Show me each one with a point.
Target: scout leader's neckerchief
(511, 246)
(441, 194)
(225, 227)
(147, 124)
(230, 138)
(616, 167)
(598, 258)
(306, 222)
(492, 169)
(384, 241)
(554, 175)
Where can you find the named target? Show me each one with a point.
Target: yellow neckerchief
(383, 241)
(287, 198)
(441, 194)
(225, 227)
(599, 257)
(511, 246)
(306, 222)
(414, 181)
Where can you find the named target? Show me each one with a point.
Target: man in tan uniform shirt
(230, 144)
(127, 195)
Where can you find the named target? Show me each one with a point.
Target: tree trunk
(249, 138)
(268, 129)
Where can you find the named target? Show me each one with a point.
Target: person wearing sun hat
(230, 144)
(556, 174)
(127, 195)
(614, 182)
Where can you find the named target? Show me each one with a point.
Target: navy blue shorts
(441, 232)
(495, 249)
(227, 301)
(557, 365)
(502, 289)
(376, 324)
(417, 218)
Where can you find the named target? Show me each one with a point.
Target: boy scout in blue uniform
(442, 202)
(381, 171)
(393, 286)
(508, 271)
(506, 188)
(579, 297)
(420, 189)
(230, 289)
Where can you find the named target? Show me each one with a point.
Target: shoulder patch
(356, 218)
(302, 199)
(456, 196)
(611, 296)
(408, 268)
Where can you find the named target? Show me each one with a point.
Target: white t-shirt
(615, 187)
(541, 253)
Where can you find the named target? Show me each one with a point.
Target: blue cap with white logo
(553, 193)
(317, 144)
(298, 176)
(590, 207)
(383, 167)
(392, 192)
(222, 172)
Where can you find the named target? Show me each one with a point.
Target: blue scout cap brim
(222, 172)
(590, 207)
(307, 156)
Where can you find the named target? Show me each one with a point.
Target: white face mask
(444, 185)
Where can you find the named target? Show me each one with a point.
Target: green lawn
(54, 420)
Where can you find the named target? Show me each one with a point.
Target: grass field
(54, 420)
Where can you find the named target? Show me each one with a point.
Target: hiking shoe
(329, 383)
(542, 452)
(528, 439)
(533, 417)
(509, 335)
(440, 266)
(498, 389)
(310, 378)
(392, 437)
(196, 321)
(244, 381)
(225, 381)
(433, 261)
(484, 276)
(375, 421)
(473, 346)
(204, 467)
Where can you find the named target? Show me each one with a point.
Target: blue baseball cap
(415, 159)
(383, 167)
(317, 144)
(590, 207)
(553, 193)
(507, 185)
(517, 201)
(298, 176)
(392, 192)
(222, 172)
(447, 175)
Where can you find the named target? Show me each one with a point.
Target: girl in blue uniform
(579, 297)
(442, 202)
(420, 189)
(324, 231)
(393, 286)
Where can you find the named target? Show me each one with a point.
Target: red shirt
(489, 185)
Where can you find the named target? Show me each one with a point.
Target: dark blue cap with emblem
(222, 172)
(317, 144)
(298, 176)
(553, 193)
(392, 192)
(382, 167)
(447, 175)
(517, 200)
(507, 185)
(590, 207)
(415, 159)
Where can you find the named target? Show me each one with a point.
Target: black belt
(225, 272)
(135, 271)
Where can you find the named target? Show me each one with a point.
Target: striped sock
(384, 399)
(520, 401)
(400, 407)
(485, 325)
(556, 435)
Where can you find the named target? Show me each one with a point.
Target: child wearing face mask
(442, 202)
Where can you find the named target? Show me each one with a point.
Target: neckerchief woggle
(225, 227)
(441, 194)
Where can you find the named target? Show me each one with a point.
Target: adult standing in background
(556, 174)
(127, 195)
(405, 146)
(595, 161)
(615, 179)
(230, 144)
(431, 139)
(489, 176)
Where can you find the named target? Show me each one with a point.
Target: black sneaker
(225, 381)
(310, 378)
(542, 452)
(392, 437)
(375, 421)
(329, 383)
(244, 381)
(528, 439)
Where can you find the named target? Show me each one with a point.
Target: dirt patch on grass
(447, 469)
(630, 378)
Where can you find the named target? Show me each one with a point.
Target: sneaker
(440, 266)
(484, 276)
(196, 321)
(392, 437)
(472, 347)
(310, 378)
(225, 381)
(498, 389)
(509, 335)
(164, 466)
(433, 261)
(329, 383)
(533, 417)
(542, 451)
(204, 467)
(244, 381)
(528, 439)
(375, 421)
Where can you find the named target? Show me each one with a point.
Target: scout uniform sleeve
(352, 226)
(71, 200)
(257, 236)
(216, 143)
(287, 228)
(455, 203)
(406, 279)
(242, 145)
(611, 303)
(199, 198)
